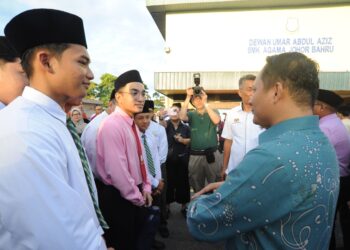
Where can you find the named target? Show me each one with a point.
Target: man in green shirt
(203, 164)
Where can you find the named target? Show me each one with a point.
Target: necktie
(149, 156)
(86, 168)
(139, 152)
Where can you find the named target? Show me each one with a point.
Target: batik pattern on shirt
(281, 196)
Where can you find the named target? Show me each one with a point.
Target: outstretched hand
(209, 188)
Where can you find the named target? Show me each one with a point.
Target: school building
(223, 40)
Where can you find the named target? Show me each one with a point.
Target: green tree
(156, 95)
(102, 91)
(159, 100)
(92, 91)
(105, 87)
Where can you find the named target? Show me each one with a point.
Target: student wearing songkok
(45, 201)
(124, 186)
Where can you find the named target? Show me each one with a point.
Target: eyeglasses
(135, 93)
(75, 114)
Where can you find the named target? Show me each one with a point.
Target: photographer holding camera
(203, 164)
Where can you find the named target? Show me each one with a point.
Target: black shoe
(164, 232)
(158, 245)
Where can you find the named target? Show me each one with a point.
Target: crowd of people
(69, 182)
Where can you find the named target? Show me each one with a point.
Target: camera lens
(197, 90)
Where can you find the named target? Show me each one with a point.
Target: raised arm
(214, 116)
(183, 111)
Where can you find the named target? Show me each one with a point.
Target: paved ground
(180, 238)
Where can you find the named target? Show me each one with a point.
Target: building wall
(224, 40)
(241, 40)
(90, 105)
(170, 83)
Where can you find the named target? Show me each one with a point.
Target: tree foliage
(102, 91)
(159, 100)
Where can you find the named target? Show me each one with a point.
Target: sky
(121, 34)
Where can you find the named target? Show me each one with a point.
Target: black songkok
(148, 107)
(112, 96)
(127, 77)
(6, 50)
(329, 97)
(177, 104)
(36, 27)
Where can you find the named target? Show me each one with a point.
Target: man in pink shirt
(330, 124)
(125, 188)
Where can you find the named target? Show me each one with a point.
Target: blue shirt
(2, 105)
(281, 196)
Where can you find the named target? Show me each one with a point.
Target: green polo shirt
(203, 131)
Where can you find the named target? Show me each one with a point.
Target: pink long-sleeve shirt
(117, 157)
(337, 134)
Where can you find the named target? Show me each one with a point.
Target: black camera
(197, 90)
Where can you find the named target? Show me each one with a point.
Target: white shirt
(158, 131)
(88, 139)
(239, 128)
(2, 105)
(152, 144)
(44, 199)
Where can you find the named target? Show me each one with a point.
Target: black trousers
(178, 188)
(160, 200)
(126, 221)
(344, 213)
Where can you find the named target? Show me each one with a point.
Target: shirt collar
(329, 117)
(2, 105)
(45, 102)
(126, 117)
(240, 109)
(306, 122)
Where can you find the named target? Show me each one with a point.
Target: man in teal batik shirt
(283, 194)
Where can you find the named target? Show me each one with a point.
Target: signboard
(241, 40)
(306, 45)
